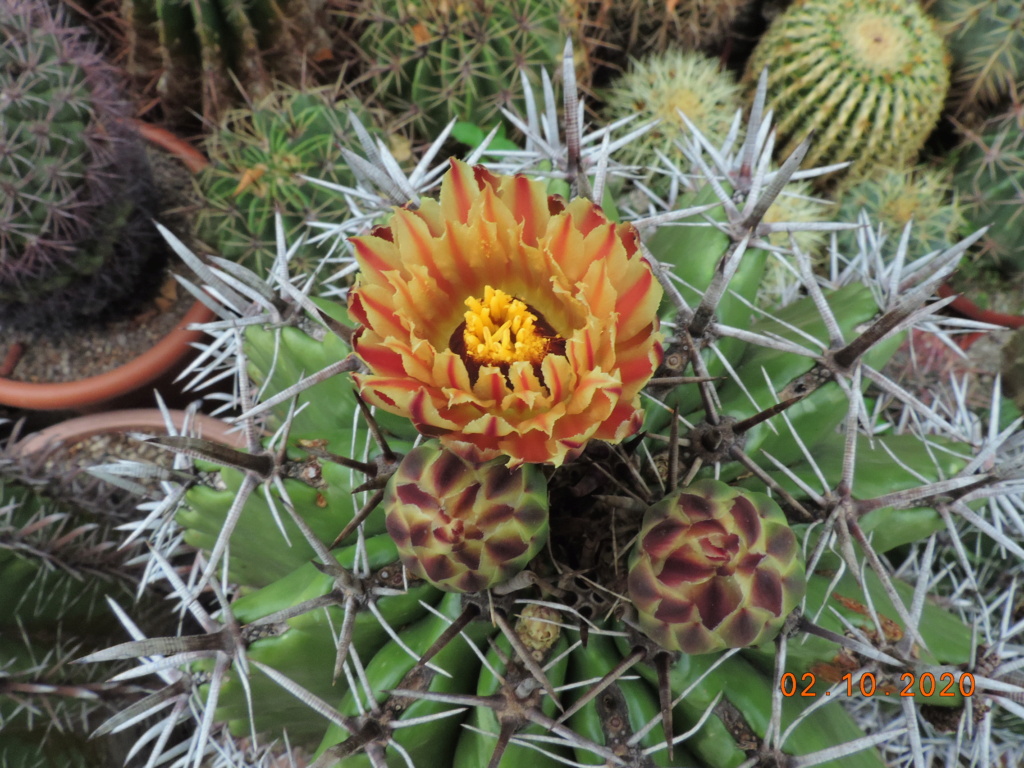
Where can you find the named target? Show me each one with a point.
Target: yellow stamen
(501, 329)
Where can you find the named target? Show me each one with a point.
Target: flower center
(501, 329)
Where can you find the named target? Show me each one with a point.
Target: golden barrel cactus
(867, 77)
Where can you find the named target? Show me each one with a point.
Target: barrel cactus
(76, 243)
(868, 79)
(641, 380)
(660, 87)
(428, 62)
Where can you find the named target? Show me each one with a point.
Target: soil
(92, 351)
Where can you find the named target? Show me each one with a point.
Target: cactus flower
(714, 567)
(506, 322)
(462, 526)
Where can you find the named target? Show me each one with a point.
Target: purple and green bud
(461, 526)
(714, 567)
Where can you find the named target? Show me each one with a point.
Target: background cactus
(58, 565)
(258, 158)
(868, 78)
(76, 243)
(430, 62)
(791, 403)
(205, 54)
(658, 88)
(986, 40)
(616, 29)
(990, 181)
(897, 197)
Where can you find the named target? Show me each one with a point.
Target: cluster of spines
(75, 238)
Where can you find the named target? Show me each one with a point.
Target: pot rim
(74, 430)
(133, 375)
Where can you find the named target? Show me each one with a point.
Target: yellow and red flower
(506, 322)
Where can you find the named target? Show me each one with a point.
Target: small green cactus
(660, 87)
(76, 195)
(258, 158)
(990, 181)
(866, 80)
(986, 40)
(896, 197)
(429, 62)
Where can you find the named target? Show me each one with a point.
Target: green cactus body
(216, 42)
(258, 158)
(635, 27)
(989, 179)
(986, 40)
(431, 62)
(75, 188)
(897, 197)
(867, 78)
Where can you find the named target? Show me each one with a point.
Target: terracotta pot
(131, 381)
(967, 308)
(150, 420)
